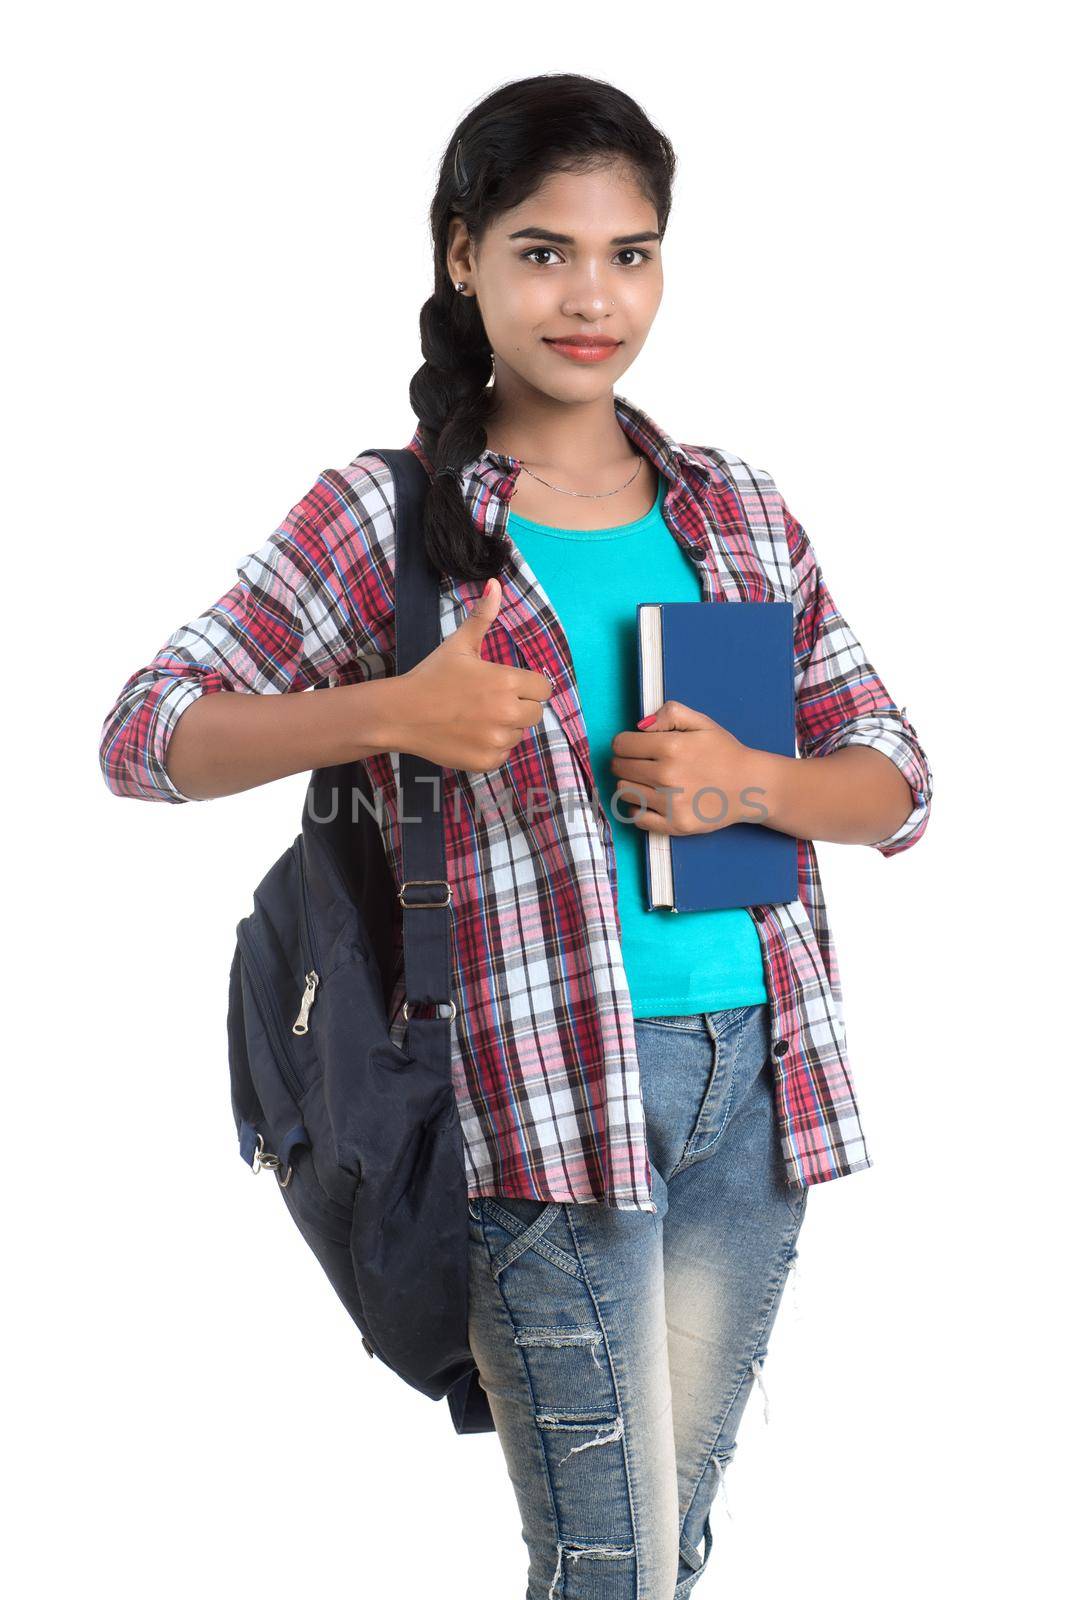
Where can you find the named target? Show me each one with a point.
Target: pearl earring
(460, 287)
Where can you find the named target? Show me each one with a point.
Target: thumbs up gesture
(460, 711)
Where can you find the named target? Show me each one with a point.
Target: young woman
(646, 1099)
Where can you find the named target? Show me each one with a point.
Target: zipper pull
(311, 980)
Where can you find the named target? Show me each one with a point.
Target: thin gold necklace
(584, 494)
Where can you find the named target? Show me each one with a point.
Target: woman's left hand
(686, 774)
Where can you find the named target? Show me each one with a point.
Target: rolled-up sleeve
(840, 698)
(313, 604)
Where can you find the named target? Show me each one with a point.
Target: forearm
(226, 742)
(855, 795)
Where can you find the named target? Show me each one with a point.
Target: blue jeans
(618, 1348)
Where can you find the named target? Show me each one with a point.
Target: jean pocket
(513, 1228)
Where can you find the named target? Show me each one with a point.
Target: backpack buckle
(410, 882)
(450, 1003)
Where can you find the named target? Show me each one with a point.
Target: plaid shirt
(544, 1058)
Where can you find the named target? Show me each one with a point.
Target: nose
(587, 294)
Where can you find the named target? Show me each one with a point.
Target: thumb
(673, 714)
(474, 627)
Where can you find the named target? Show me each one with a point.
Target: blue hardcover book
(734, 661)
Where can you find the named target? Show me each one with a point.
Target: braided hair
(501, 152)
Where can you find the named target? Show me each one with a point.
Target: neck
(575, 443)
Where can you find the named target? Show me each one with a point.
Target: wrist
(378, 722)
(768, 786)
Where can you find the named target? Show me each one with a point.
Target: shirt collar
(496, 474)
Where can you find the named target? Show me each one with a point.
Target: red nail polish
(644, 723)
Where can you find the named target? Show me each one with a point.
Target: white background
(218, 251)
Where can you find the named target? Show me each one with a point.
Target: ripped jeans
(618, 1348)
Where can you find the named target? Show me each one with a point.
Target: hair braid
(451, 398)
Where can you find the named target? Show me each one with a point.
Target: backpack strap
(425, 894)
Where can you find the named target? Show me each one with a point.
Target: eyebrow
(565, 238)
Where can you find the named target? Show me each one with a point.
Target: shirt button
(695, 552)
(780, 1047)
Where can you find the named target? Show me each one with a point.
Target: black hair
(502, 151)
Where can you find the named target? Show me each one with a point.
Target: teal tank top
(676, 963)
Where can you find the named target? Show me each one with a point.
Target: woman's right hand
(457, 710)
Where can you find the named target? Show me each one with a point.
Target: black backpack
(363, 1136)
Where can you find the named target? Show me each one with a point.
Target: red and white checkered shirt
(544, 1058)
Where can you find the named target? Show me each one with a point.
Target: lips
(590, 340)
(584, 349)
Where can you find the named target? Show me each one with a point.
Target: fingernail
(644, 723)
(486, 589)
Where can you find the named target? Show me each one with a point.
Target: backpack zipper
(311, 977)
(311, 982)
(266, 999)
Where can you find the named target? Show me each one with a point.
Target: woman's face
(579, 258)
